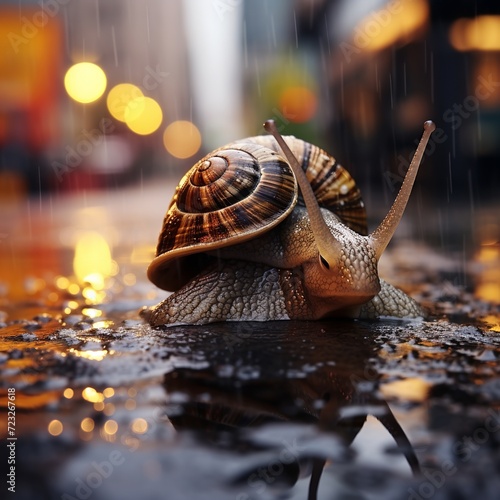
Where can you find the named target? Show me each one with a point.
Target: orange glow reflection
(488, 275)
(479, 33)
(32, 401)
(398, 21)
(410, 389)
(298, 104)
(92, 262)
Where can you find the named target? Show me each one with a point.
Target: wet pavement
(108, 407)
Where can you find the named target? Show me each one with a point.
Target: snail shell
(240, 191)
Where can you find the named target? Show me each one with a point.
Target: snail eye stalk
(329, 248)
(381, 237)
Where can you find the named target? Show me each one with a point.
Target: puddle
(108, 407)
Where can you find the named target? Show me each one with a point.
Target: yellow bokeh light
(92, 356)
(108, 392)
(85, 82)
(91, 312)
(479, 33)
(139, 426)
(68, 393)
(91, 395)
(110, 427)
(487, 260)
(92, 262)
(73, 289)
(143, 115)
(182, 139)
(62, 282)
(96, 280)
(119, 97)
(87, 424)
(411, 389)
(398, 23)
(55, 427)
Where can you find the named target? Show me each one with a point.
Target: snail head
(347, 261)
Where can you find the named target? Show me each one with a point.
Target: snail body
(240, 242)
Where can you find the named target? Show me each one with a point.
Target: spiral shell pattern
(235, 193)
(332, 184)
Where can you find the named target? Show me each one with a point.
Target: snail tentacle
(329, 248)
(381, 237)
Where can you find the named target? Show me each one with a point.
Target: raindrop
(98, 18)
(245, 44)
(257, 77)
(273, 32)
(147, 24)
(432, 77)
(327, 33)
(296, 31)
(115, 53)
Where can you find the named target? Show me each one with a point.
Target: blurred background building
(102, 93)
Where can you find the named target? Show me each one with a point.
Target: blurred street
(103, 107)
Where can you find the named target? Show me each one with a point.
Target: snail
(239, 243)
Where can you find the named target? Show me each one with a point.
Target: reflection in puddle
(487, 264)
(334, 388)
(412, 389)
(286, 409)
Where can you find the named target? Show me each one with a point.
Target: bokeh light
(108, 392)
(119, 97)
(298, 104)
(68, 393)
(92, 262)
(99, 406)
(139, 426)
(143, 115)
(87, 424)
(110, 427)
(182, 139)
(85, 82)
(55, 427)
(91, 395)
(480, 33)
(380, 29)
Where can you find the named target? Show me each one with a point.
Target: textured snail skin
(242, 290)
